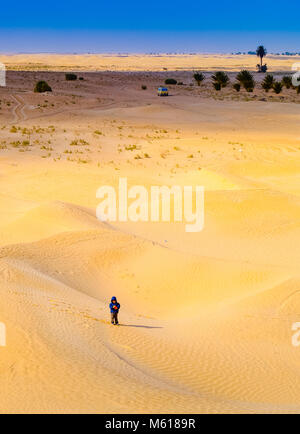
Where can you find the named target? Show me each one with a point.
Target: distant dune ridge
(142, 62)
(206, 318)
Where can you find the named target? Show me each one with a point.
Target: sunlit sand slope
(206, 318)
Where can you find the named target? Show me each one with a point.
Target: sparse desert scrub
(246, 79)
(170, 81)
(70, 76)
(46, 148)
(18, 144)
(287, 81)
(131, 148)
(237, 86)
(220, 79)
(199, 77)
(277, 87)
(79, 142)
(42, 86)
(268, 82)
(144, 87)
(217, 86)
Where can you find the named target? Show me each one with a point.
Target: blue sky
(78, 25)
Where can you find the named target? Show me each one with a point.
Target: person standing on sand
(114, 310)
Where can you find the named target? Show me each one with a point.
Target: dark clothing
(114, 318)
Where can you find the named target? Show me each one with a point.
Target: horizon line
(286, 53)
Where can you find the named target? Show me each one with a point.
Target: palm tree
(199, 77)
(261, 52)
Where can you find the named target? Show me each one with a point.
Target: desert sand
(206, 318)
(143, 62)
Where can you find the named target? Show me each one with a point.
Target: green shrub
(221, 78)
(277, 86)
(42, 86)
(237, 86)
(170, 81)
(287, 81)
(268, 82)
(217, 85)
(199, 77)
(71, 77)
(249, 87)
(262, 68)
(81, 78)
(246, 79)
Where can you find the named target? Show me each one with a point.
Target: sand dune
(206, 318)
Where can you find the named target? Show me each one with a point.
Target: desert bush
(246, 79)
(81, 78)
(199, 77)
(170, 81)
(262, 68)
(42, 86)
(277, 86)
(221, 78)
(268, 82)
(144, 87)
(249, 87)
(287, 81)
(71, 77)
(237, 86)
(217, 85)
